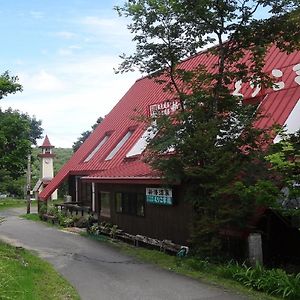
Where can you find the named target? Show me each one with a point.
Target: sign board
(159, 196)
(164, 108)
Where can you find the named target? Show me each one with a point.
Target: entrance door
(104, 198)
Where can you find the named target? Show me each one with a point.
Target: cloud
(37, 14)
(42, 81)
(67, 35)
(106, 26)
(65, 52)
(69, 97)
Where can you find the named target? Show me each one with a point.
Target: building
(107, 172)
(47, 171)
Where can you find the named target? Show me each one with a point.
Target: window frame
(130, 204)
(120, 144)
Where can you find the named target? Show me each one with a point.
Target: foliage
(274, 281)
(214, 149)
(94, 229)
(11, 203)
(42, 208)
(18, 131)
(284, 158)
(85, 135)
(9, 84)
(23, 276)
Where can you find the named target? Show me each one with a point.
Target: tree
(9, 84)
(284, 158)
(18, 131)
(85, 135)
(217, 151)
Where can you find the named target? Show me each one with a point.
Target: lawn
(24, 276)
(11, 203)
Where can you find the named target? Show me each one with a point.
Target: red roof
(276, 105)
(46, 143)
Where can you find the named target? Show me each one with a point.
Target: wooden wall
(161, 222)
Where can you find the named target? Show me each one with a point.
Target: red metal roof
(276, 106)
(46, 143)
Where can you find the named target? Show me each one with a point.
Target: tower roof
(46, 143)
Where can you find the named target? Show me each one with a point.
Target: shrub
(42, 208)
(81, 222)
(94, 229)
(274, 281)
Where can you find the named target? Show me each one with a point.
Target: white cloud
(65, 52)
(65, 35)
(69, 97)
(37, 14)
(42, 81)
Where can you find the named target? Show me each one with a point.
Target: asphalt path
(99, 271)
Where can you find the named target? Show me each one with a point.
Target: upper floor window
(102, 142)
(119, 145)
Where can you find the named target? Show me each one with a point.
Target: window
(143, 142)
(119, 145)
(102, 142)
(105, 204)
(130, 204)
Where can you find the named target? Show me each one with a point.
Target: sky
(64, 52)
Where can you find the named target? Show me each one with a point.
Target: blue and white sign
(159, 196)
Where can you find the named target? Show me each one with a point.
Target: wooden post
(28, 183)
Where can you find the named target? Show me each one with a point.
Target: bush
(274, 281)
(42, 208)
(66, 221)
(81, 222)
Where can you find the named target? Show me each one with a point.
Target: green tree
(216, 151)
(18, 131)
(9, 84)
(85, 135)
(284, 158)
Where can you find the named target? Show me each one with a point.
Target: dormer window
(97, 148)
(120, 144)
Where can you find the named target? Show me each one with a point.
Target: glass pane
(105, 204)
(118, 198)
(119, 145)
(102, 142)
(140, 205)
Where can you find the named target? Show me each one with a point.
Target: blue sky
(64, 52)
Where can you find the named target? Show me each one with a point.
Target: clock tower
(47, 171)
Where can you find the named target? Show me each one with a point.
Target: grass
(35, 217)
(32, 217)
(7, 203)
(24, 276)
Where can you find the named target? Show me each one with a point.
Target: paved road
(100, 272)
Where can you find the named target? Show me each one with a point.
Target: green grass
(11, 203)
(24, 276)
(32, 217)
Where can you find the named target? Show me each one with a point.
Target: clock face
(47, 160)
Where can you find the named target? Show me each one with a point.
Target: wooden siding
(161, 222)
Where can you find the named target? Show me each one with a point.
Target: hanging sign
(159, 196)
